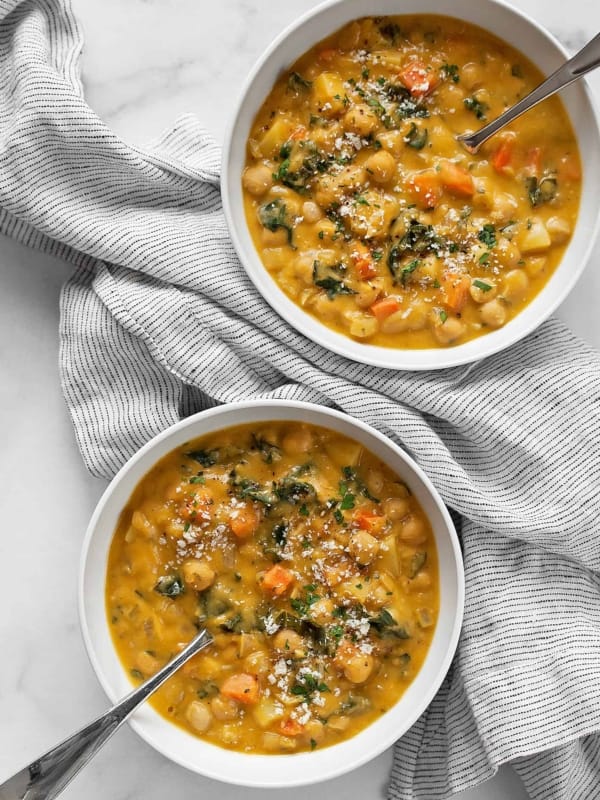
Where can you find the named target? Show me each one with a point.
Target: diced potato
(267, 712)
(272, 140)
(535, 238)
(199, 716)
(388, 556)
(363, 326)
(374, 217)
(346, 453)
(273, 257)
(515, 285)
(449, 331)
(559, 229)
(536, 265)
(329, 92)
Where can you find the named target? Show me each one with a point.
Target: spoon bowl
(586, 60)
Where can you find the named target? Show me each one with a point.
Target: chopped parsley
(170, 586)
(273, 216)
(485, 287)
(297, 83)
(487, 235)
(206, 458)
(476, 106)
(451, 72)
(331, 280)
(542, 191)
(416, 137)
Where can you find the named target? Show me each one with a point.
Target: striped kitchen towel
(159, 320)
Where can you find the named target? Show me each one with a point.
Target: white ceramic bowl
(509, 24)
(266, 770)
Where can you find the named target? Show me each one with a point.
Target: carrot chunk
(384, 307)
(298, 133)
(417, 78)
(328, 54)
(277, 580)
(244, 521)
(456, 179)
(241, 687)
(533, 164)
(425, 188)
(291, 727)
(569, 168)
(502, 157)
(368, 521)
(363, 261)
(456, 290)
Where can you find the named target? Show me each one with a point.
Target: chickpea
(515, 285)
(147, 663)
(297, 441)
(223, 707)
(381, 166)
(363, 326)
(535, 265)
(311, 211)
(375, 481)
(349, 36)
(392, 141)
(421, 581)
(315, 730)
(413, 531)
(508, 252)
(449, 331)
(363, 547)
(257, 179)
(322, 611)
(481, 294)
(504, 207)
(396, 508)
(359, 667)
(493, 314)
(257, 663)
(198, 574)
(199, 716)
(303, 267)
(360, 119)
(367, 294)
(559, 229)
(471, 75)
(276, 238)
(288, 641)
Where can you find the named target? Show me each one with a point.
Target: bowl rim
(297, 409)
(397, 358)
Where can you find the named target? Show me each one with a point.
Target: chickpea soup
(374, 219)
(308, 560)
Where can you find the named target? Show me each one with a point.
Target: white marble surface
(145, 62)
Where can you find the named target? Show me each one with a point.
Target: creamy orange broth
(309, 561)
(374, 219)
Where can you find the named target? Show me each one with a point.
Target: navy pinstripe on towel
(159, 320)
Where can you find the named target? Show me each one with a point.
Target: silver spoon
(587, 59)
(47, 776)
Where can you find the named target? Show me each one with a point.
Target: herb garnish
(476, 106)
(487, 235)
(451, 72)
(170, 586)
(416, 138)
(542, 191)
(273, 216)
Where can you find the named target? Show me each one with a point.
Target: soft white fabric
(159, 320)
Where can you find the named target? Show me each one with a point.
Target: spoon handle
(587, 59)
(47, 776)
